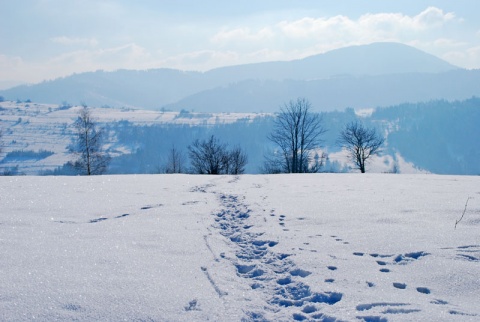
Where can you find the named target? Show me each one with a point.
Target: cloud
(201, 60)
(469, 58)
(110, 58)
(448, 43)
(68, 41)
(242, 34)
(251, 40)
(297, 38)
(368, 26)
(314, 28)
(432, 17)
(13, 68)
(127, 56)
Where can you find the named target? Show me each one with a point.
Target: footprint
(409, 257)
(358, 254)
(124, 215)
(329, 280)
(192, 306)
(72, 307)
(372, 318)
(244, 269)
(468, 257)
(468, 246)
(332, 268)
(400, 311)
(401, 286)
(370, 284)
(369, 306)
(423, 290)
(309, 309)
(381, 263)
(299, 317)
(300, 272)
(453, 312)
(384, 270)
(97, 220)
(151, 206)
(284, 281)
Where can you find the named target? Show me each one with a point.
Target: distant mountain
(335, 93)
(373, 59)
(335, 73)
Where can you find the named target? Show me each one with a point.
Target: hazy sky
(45, 39)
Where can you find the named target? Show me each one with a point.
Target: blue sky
(46, 39)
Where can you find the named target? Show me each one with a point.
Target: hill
(167, 88)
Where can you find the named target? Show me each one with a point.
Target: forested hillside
(436, 136)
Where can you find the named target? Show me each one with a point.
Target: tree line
(297, 136)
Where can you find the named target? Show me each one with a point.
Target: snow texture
(325, 247)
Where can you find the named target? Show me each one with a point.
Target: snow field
(325, 247)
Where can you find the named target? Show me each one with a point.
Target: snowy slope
(35, 127)
(325, 247)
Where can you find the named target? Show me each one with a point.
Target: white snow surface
(318, 247)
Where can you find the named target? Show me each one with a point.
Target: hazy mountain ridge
(335, 93)
(157, 88)
(373, 59)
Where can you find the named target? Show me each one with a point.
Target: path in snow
(282, 282)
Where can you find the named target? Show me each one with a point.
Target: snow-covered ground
(326, 247)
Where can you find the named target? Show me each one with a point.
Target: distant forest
(438, 136)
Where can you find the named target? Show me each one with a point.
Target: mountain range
(379, 74)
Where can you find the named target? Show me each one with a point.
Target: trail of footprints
(291, 292)
(401, 259)
(280, 278)
(268, 271)
(100, 219)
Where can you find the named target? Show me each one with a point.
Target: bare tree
(87, 147)
(360, 142)
(297, 133)
(175, 161)
(237, 161)
(208, 156)
(213, 157)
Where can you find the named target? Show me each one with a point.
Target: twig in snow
(464, 210)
